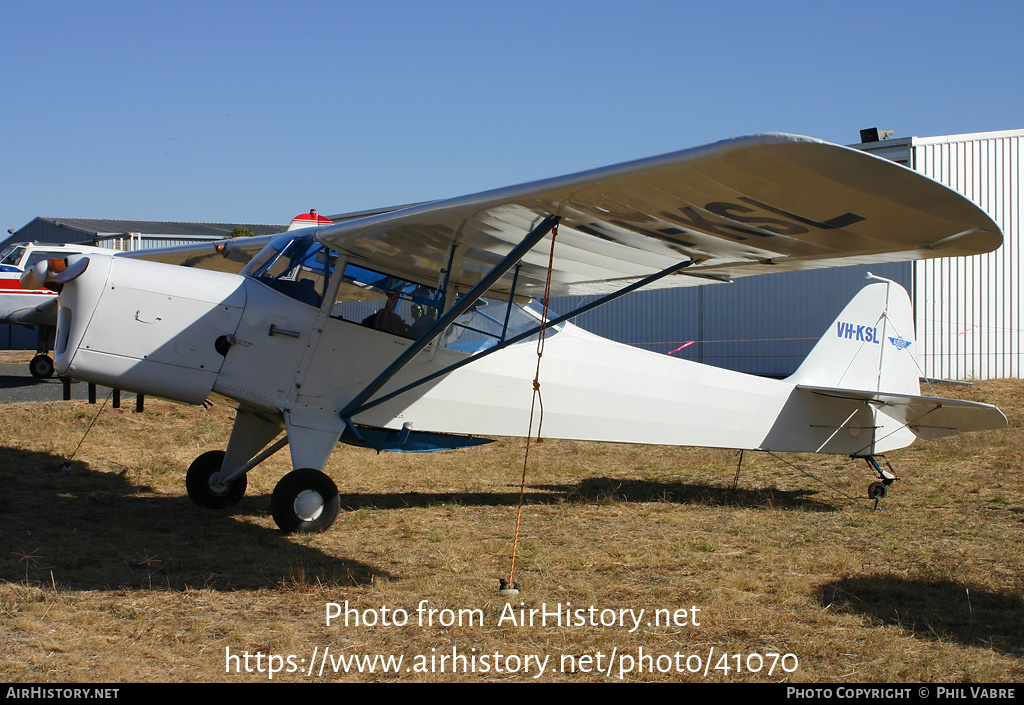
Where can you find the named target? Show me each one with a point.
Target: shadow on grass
(942, 610)
(602, 489)
(597, 490)
(87, 530)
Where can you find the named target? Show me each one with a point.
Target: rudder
(870, 346)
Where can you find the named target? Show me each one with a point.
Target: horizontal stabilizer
(927, 417)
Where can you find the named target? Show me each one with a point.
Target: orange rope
(537, 400)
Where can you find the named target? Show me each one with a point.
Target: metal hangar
(968, 310)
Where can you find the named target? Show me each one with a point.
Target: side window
(385, 303)
(407, 309)
(489, 322)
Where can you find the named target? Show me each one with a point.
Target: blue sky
(256, 111)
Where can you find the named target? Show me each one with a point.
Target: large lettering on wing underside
(737, 220)
(733, 217)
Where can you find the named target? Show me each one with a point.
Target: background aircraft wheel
(305, 501)
(41, 366)
(203, 492)
(877, 490)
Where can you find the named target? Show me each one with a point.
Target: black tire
(877, 490)
(41, 366)
(197, 482)
(305, 501)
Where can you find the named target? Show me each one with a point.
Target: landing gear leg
(41, 365)
(879, 489)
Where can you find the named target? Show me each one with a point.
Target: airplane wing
(751, 205)
(222, 255)
(45, 314)
(232, 254)
(927, 417)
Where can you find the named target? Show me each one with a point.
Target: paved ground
(18, 384)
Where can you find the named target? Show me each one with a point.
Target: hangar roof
(101, 226)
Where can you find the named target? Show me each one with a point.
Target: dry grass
(16, 356)
(110, 573)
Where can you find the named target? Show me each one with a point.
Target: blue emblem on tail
(900, 343)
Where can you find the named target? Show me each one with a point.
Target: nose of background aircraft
(53, 273)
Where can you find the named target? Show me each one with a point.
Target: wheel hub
(309, 505)
(217, 488)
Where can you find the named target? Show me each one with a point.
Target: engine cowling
(143, 326)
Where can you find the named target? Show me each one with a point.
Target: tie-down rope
(537, 401)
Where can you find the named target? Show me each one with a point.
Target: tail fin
(862, 376)
(870, 346)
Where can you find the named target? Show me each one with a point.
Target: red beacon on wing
(309, 220)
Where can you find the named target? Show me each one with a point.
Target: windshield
(301, 268)
(12, 255)
(297, 267)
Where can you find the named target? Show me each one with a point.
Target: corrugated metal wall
(136, 241)
(968, 309)
(760, 325)
(14, 337)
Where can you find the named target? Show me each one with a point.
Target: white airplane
(412, 329)
(36, 307)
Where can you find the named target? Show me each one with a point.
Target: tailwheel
(877, 490)
(200, 481)
(41, 366)
(305, 501)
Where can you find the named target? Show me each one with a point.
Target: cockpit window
(386, 303)
(297, 267)
(12, 255)
(400, 307)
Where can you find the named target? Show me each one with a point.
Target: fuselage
(293, 341)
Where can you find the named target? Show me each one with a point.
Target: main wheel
(204, 491)
(305, 501)
(41, 366)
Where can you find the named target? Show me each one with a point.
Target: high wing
(221, 256)
(751, 205)
(231, 254)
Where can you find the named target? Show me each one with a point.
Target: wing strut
(351, 410)
(461, 306)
